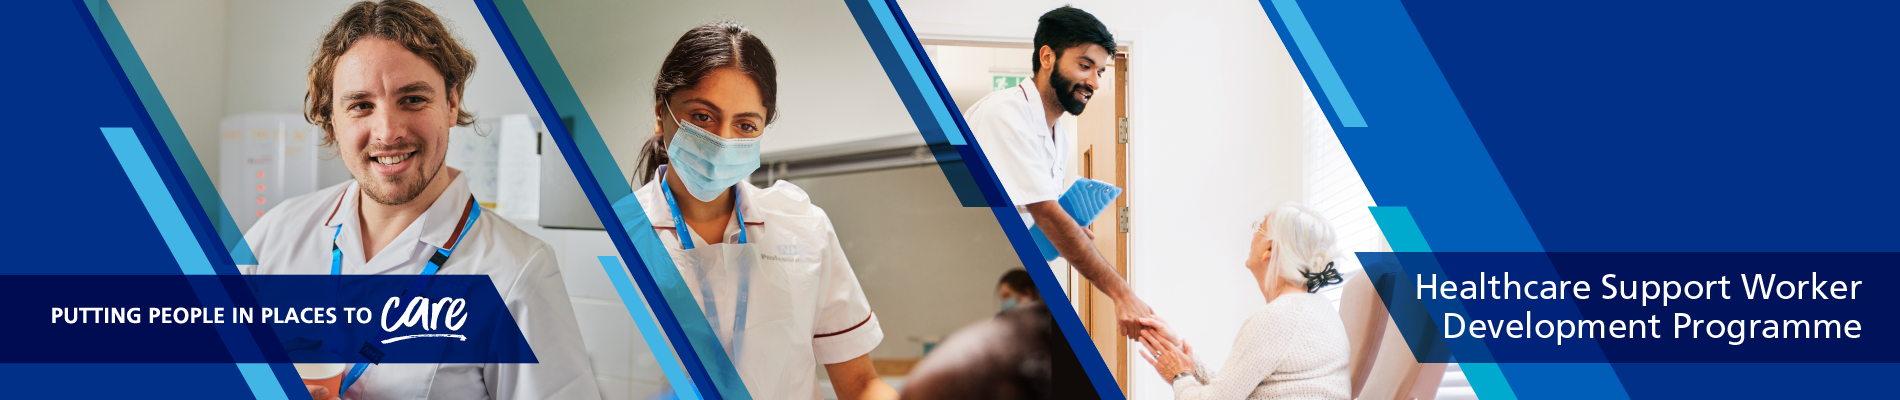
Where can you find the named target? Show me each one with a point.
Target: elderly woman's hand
(1168, 359)
(1160, 327)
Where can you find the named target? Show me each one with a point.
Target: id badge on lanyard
(437, 258)
(706, 303)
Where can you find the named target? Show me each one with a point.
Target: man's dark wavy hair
(1065, 28)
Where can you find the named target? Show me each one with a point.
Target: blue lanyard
(686, 242)
(436, 259)
(706, 304)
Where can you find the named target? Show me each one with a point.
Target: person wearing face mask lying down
(764, 264)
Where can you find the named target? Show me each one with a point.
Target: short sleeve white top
(816, 314)
(1029, 158)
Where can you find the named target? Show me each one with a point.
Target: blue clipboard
(1085, 200)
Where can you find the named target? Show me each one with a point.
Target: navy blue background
(73, 211)
(1692, 127)
(71, 207)
(1724, 127)
(1683, 126)
(1871, 306)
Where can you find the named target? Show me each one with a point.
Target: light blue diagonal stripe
(198, 180)
(178, 237)
(925, 89)
(158, 201)
(649, 329)
(259, 377)
(1402, 233)
(1487, 381)
(1321, 65)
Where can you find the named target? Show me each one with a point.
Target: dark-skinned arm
(1076, 246)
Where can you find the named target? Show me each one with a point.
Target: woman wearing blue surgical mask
(764, 265)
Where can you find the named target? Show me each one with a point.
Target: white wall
(966, 71)
(831, 88)
(1245, 109)
(181, 44)
(271, 44)
(1213, 95)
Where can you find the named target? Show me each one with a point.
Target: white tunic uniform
(1031, 160)
(295, 238)
(805, 306)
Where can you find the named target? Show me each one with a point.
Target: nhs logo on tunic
(792, 253)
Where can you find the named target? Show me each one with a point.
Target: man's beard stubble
(374, 187)
(1065, 93)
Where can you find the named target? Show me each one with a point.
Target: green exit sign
(1000, 82)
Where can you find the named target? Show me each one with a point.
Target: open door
(1102, 154)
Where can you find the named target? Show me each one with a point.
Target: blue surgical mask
(1008, 304)
(709, 164)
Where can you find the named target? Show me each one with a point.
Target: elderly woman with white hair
(1294, 346)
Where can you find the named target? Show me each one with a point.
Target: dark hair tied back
(699, 52)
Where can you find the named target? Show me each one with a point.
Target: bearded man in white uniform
(386, 86)
(1028, 144)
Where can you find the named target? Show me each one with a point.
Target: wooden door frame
(1100, 315)
(1095, 308)
(1121, 203)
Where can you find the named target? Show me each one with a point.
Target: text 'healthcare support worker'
(765, 265)
(386, 86)
(1026, 139)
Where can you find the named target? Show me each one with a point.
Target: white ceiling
(832, 91)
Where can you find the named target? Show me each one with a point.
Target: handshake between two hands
(1170, 355)
(1163, 349)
